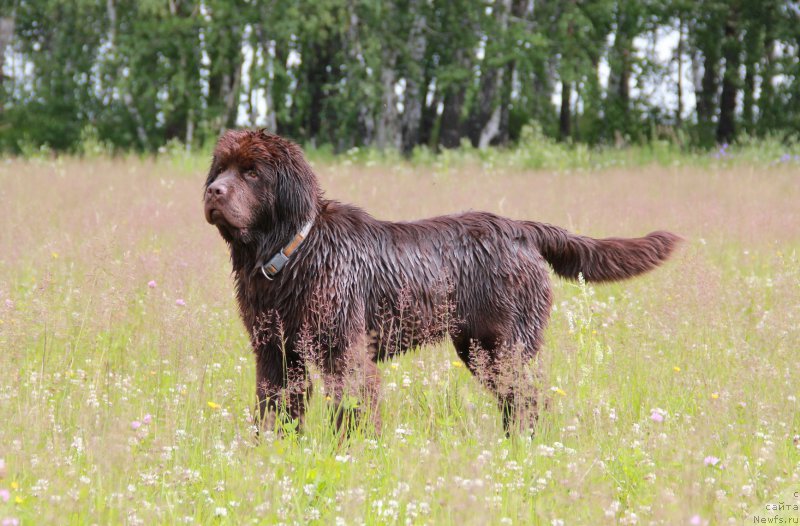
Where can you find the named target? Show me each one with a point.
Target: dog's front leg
(352, 383)
(281, 392)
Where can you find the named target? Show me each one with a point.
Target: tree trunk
(450, 128)
(127, 97)
(522, 11)
(491, 85)
(503, 133)
(232, 85)
(679, 57)
(620, 64)
(623, 44)
(749, 96)
(565, 115)
(365, 130)
(141, 134)
(490, 130)
(429, 113)
(484, 123)
(707, 97)
(252, 85)
(768, 118)
(189, 138)
(576, 129)
(414, 96)
(269, 78)
(450, 124)
(726, 130)
(316, 78)
(388, 132)
(6, 34)
(269, 97)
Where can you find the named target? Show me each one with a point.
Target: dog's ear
(297, 191)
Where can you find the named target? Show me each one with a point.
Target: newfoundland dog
(325, 283)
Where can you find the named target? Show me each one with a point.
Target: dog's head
(258, 182)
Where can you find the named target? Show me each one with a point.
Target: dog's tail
(609, 259)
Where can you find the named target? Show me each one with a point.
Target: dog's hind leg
(508, 373)
(516, 389)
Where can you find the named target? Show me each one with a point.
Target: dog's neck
(249, 258)
(271, 268)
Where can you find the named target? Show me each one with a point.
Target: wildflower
(136, 425)
(18, 499)
(221, 512)
(401, 431)
(147, 419)
(54, 255)
(77, 444)
(180, 303)
(676, 369)
(5, 495)
(10, 521)
(714, 396)
(152, 283)
(613, 509)
(696, 520)
(213, 405)
(710, 460)
(558, 390)
(656, 416)
(457, 364)
(15, 485)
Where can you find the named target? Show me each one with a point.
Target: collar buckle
(271, 268)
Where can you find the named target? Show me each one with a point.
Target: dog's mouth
(229, 231)
(214, 216)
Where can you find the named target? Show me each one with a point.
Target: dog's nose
(217, 189)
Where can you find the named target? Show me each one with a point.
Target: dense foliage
(396, 74)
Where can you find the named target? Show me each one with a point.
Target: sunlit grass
(127, 385)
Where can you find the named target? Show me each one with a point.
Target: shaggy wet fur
(360, 289)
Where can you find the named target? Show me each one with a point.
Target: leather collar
(271, 268)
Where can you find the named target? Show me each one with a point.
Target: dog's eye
(250, 174)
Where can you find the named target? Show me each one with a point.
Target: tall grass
(533, 151)
(127, 385)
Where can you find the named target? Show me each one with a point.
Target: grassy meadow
(127, 383)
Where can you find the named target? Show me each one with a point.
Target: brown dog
(325, 281)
